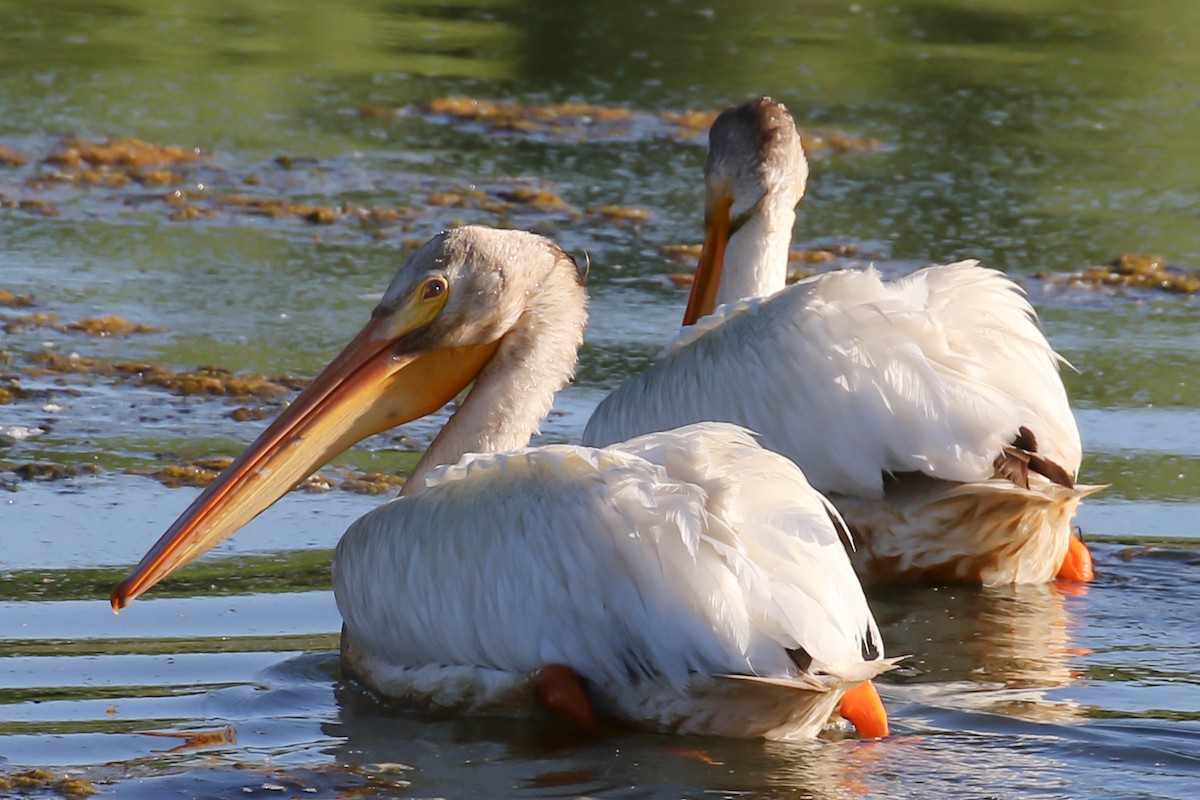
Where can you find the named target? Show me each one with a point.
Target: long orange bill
(371, 386)
(863, 708)
(703, 298)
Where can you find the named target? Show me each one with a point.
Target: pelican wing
(693, 551)
(854, 377)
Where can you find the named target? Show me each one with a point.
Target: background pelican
(694, 581)
(929, 408)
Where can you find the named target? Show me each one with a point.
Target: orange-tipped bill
(864, 710)
(703, 298)
(374, 384)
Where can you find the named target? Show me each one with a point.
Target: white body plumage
(686, 581)
(673, 573)
(857, 379)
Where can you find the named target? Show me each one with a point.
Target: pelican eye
(434, 288)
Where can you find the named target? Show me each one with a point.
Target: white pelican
(687, 581)
(929, 409)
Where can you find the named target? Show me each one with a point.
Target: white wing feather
(693, 551)
(853, 377)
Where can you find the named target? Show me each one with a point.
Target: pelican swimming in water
(929, 409)
(687, 581)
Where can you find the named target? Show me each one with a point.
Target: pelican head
(754, 178)
(471, 302)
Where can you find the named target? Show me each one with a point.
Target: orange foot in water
(863, 708)
(561, 693)
(1077, 566)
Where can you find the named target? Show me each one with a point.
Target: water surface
(1043, 138)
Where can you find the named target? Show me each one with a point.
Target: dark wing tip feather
(1016, 461)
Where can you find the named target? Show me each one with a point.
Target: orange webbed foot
(1077, 566)
(560, 691)
(863, 708)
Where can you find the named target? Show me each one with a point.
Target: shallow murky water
(1040, 137)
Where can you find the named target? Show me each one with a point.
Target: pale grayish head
(505, 309)
(755, 175)
(754, 152)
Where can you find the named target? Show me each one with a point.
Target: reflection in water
(546, 758)
(992, 649)
(196, 740)
(973, 708)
